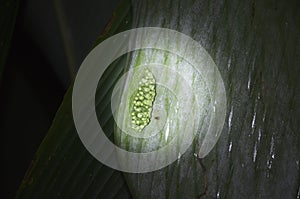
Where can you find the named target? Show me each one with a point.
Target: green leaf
(8, 10)
(255, 45)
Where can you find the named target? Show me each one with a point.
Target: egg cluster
(143, 101)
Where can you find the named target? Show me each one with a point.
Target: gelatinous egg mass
(142, 102)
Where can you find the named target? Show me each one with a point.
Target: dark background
(50, 40)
